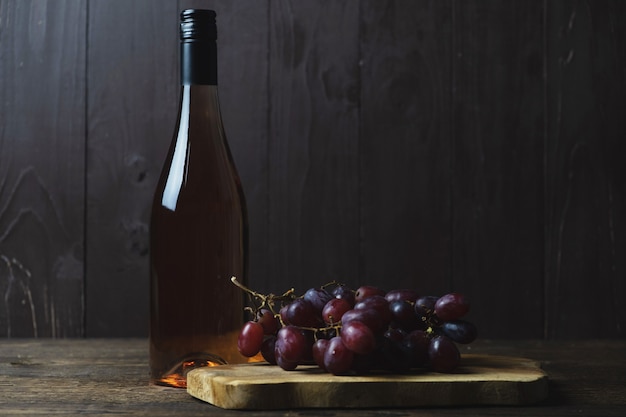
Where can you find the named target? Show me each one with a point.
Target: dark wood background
(476, 146)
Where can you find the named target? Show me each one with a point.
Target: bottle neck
(198, 62)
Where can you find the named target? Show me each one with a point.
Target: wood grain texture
(584, 190)
(110, 376)
(479, 380)
(474, 146)
(405, 145)
(133, 97)
(42, 123)
(499, 139)
(313, 223)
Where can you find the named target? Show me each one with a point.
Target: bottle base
(177, 376)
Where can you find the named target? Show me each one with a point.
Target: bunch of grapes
(347, 331)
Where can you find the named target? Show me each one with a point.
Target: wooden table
(109, 376)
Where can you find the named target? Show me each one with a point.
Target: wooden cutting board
(480, 380)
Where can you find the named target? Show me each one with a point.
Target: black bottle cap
(197, 25)
(198, 35)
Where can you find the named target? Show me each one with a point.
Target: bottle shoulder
(199, 167)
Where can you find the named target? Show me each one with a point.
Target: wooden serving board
(480, 380)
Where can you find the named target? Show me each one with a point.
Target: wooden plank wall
(475, 146)
(42, 168)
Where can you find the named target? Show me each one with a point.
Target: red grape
(284, 313)
(338, 358)
(291, 344)
(343, 292)
(377, 303)
(357, 337)
(452, 306)
(335, 309)
(405, 295)
(318, 297)
(370, 318)
(443, 354)
(301, 313)
(267, 320)
(367, 291)
(267, 350)
(319, 350)
(250, 339)
(284, 364)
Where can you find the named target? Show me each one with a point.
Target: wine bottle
(198, 230)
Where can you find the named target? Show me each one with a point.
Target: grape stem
(266, 300)
(233, 279)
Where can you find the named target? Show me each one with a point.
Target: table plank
(110, 376)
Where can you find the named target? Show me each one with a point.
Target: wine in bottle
(198, 230)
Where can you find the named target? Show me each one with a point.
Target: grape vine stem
(266, 300)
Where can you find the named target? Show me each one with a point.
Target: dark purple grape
(425, 310)
(425, 305)
(460, 331)
(369, 317)
(267, 320)
(405, 295)
(359, 338)
(443, 354)
(452, 306)
(292, 345)
(334, 310)
(338, 358)
(250, 339)
(395, 334)
(404, 316)
(394, 356)
(328, 333)
(267, 350)
(417, 344)
(318, 297)
(319, 350)
(343, 292)
(402, 311)
(367, 291)
(283, 313)
(301, 313)
(283, 363)
(307, 356)
(377, 303)
(363, 364)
